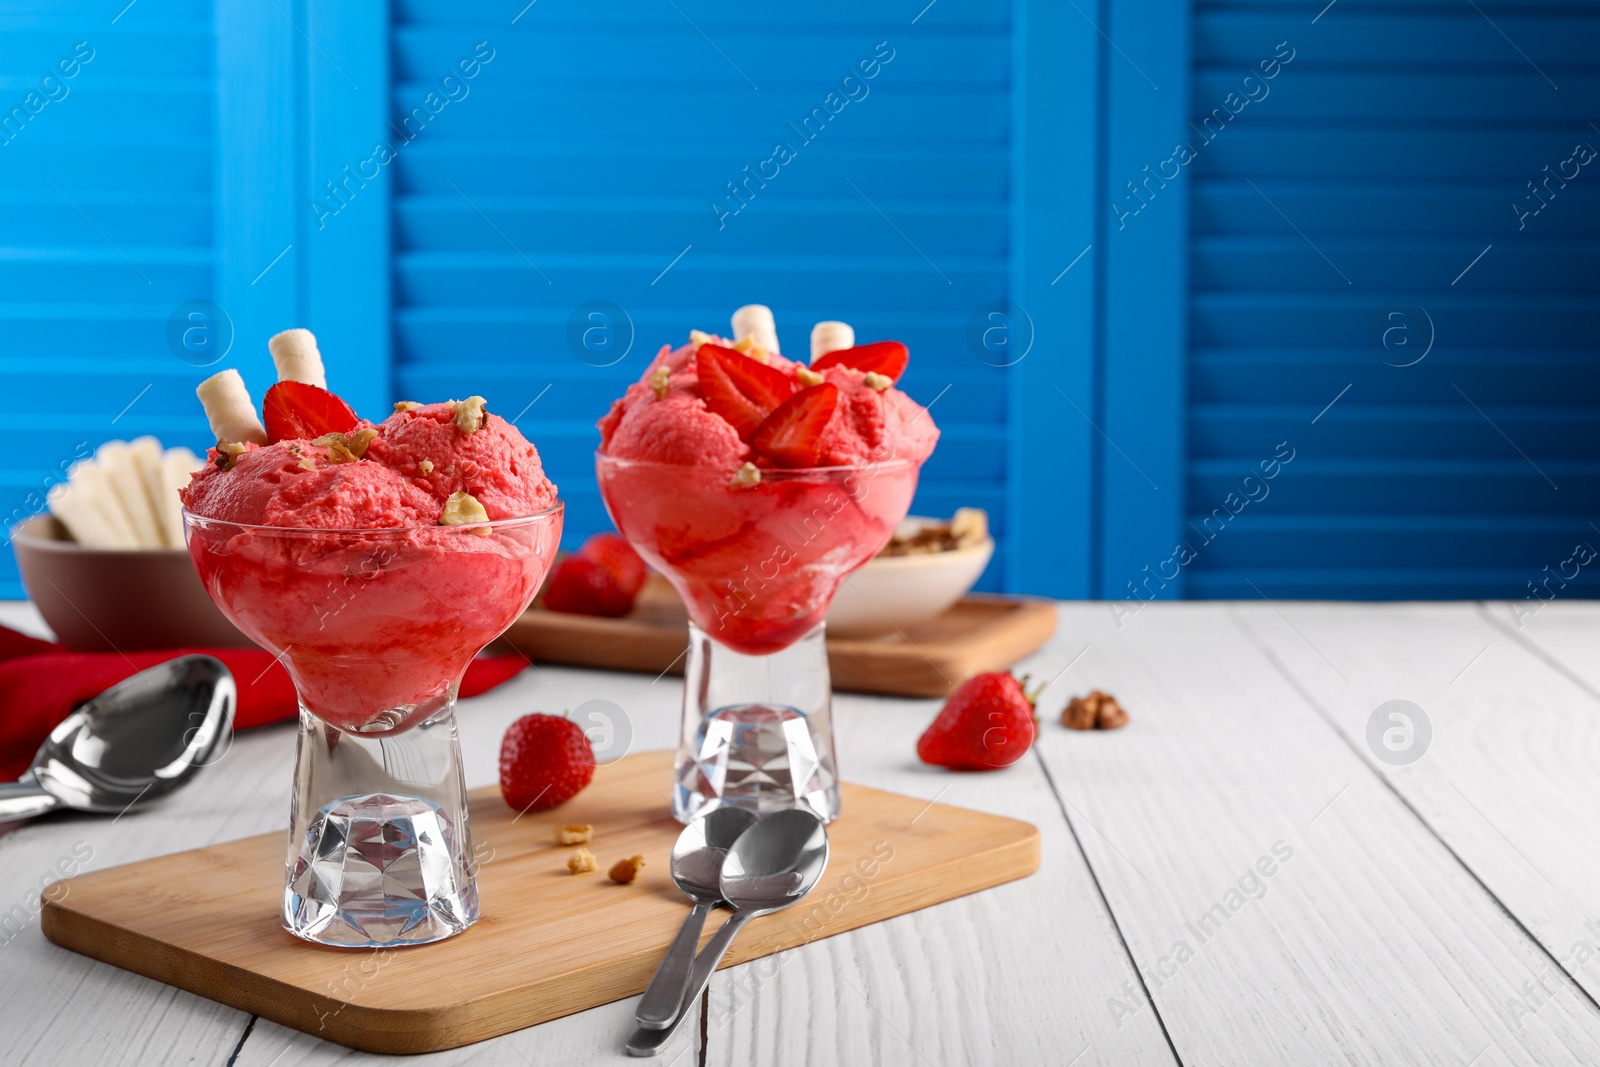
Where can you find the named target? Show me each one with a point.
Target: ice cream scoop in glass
(757, 555)
(376, 627)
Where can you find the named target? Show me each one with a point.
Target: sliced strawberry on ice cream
(792, 435)
(887, 358)
(295, 410)
(739, 388)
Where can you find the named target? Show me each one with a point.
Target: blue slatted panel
(581, 160)
(1385, 157)
(105, 229)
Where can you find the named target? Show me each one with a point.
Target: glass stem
(380, 850)
(757, 731)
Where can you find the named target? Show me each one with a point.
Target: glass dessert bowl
(376, 627)
(757, 555)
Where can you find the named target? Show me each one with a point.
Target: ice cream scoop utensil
(141, 739)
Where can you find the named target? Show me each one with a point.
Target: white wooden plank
(1507, 778)
(1565, 632)
(1016, 974)
(1370, 943)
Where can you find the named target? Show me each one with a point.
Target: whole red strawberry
(613, 553)
(580, 586)
(986, 724)
(544, 760)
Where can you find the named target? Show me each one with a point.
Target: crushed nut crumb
(625, 871)
(807, 376)
(700, 337)
(581, 862)
(1097, 711)
(661, 381)
(471, 414)
(406, 405)
(573, 834)
(462, 508)
(878, 382)
(228, 453)
(746, 477)
(748, 346)
(425, 466)
(306, 463)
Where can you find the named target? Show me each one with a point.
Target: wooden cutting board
(549, 943)
(980, 633)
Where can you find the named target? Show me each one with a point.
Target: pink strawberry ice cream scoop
(755, 483)
(404, 475)
(376, 562)
(667, 417)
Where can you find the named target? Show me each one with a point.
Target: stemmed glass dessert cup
(376, 628)
(757, 557)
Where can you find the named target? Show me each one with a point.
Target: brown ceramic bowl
(103, 600)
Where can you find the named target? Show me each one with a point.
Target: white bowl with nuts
(925, 568)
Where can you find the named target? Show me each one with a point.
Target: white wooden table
(1236, 878)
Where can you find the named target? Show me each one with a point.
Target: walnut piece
(700, 337)
(228, 453)
(746, 477)
(969, 527)
(471, 414)
(406, 405)
(625, 871)
(878, 382)
(581, 862)
(342, 449)
(807, 376)
(1097, 711)
(661, 381)
(425, 466)
(573, 834)
(462, 508)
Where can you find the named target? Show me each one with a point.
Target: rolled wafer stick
(229, 408)
(73, 509)
(830, 337)
(90, 483)
(146, 452)
(177, 467)
(755, 321)
(121, 469)
(295, 353)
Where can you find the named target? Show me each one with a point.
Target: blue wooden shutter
(580, 163)
(1372, 191)
(106, 209)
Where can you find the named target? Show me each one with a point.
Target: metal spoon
(771, 866)
(697, 869)
(141, 739)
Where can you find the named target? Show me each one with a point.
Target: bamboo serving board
(980, 633)
(548, 944)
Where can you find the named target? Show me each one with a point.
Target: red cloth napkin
(40, 684)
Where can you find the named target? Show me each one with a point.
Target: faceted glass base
(757, 730)
(380, 852)
(757, 757)
(378, 869)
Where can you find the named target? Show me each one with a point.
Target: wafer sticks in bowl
(126, 496)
